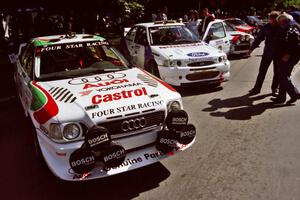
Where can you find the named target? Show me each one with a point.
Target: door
(217, 37)
(129, 42)
(24, 75)
(140, 45)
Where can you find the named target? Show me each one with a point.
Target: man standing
(206, 19)
(289, 57)
(269, 33)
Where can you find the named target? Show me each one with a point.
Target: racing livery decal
(147, 80)
(160, 81)
(62, 95)
(42, 105)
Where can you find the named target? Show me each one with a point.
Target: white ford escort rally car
(93, 114)
(172, 52)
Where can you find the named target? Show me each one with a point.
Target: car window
(131, 34)
(77, 59)
(27, 59)
(141, 36)
(229, 27)
(170, 35)
(216, 31)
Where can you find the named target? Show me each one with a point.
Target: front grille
(202, 75)
(200, 64)
(152, 119)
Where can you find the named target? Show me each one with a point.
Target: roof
(157, 24)
(62, 39)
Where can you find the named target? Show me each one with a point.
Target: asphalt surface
(246, 149)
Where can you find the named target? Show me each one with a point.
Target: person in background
(269, 34)
(162, 14)
(193, 22)
(206, 19)
(294, 11)
(289, 47)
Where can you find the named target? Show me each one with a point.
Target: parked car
(242, 26)
(169, 50)
(93, 115)
(240, 42)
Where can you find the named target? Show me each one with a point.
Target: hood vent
(62, 95)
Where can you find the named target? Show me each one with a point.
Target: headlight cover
(55, 132)
(174, 106)
(71, 131)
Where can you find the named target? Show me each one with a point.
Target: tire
(153, 69)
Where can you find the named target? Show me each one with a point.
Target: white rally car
(240, 41)
(170, 51)
(92, 113)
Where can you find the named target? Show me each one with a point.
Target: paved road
(247, 149)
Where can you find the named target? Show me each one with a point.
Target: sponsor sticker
(198, 54)
(82, 161)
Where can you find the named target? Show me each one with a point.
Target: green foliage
(291, 2)
(132, 9)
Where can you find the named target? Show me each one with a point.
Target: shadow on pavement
(198, 90)
(240, 108)
(22, 177)
(237, 57)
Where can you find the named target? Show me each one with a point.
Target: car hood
(108, 96)
(186, 51)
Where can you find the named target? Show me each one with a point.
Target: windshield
(229, 27)
(169, 35)
(77, 59)
(236, 22)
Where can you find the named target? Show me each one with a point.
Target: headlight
(55, 132)
(175, 105)
(247, 37)
(238, 42)
(172, 63)
(222, 58)
(71, 131)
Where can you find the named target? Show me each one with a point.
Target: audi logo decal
(96, 79)
(133, 124)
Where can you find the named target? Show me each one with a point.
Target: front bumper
(138, 154)
(179, 76)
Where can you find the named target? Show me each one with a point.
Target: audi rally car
(172, 52)
(93, 114)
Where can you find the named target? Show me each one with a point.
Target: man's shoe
(254, 92)
(274, 93)
(278, 100)
(293, 99)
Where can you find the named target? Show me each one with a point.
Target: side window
(141, 36)
(131, 34)
(27, 59)
(216, 31)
